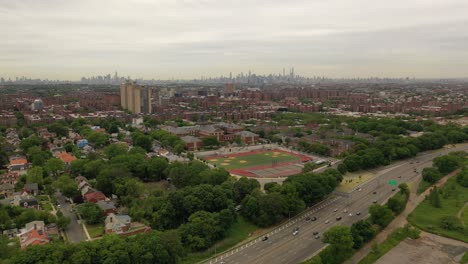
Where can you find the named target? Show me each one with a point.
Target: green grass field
(423, 185)
(251, 160)
(238, 232)
(427, 217)
(96, 230)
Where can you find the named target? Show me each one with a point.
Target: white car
(345, 210)
(328, 221)
(295, 232)
(335, 210)
(350, 214)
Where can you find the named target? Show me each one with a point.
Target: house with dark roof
(29, 202)
(107, 207)
(31, 188)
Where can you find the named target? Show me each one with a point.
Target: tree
(114, 150)
(98, 139)
(35, 175)
(341, 245)
(201, 230)
(353, 162)
(434, 198)
(462, 178)
(447, 163)
(244, 186)
(404, 189)
(143, 141)
(362, 232)
(91, 212)
(67, 186)
(58, 128)
(62, 221)
(190, 155)
(380, 215)
(342, 168)
(54, 166)
(397, 203)
(309, 166)
(69, 147)
(77, 166)
(156, 167)
(214, 176)
(30, 142)
(451, 222)
(431, 174)
(210, 142)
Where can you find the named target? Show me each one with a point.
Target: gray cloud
(189, 38)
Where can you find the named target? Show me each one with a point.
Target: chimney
(35, 226)
(110, 219)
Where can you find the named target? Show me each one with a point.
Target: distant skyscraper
(135, 98)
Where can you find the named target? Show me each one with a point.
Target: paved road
(74, 230)
(282, 247)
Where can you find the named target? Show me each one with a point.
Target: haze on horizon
(186, 39)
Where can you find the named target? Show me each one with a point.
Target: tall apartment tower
(135, 98)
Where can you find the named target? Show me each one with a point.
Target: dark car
(296, 228)
(358, 213)
(313, 218)
(315, 233)
(374, 192)
(338, 218)
(307, 218)
(265, 238)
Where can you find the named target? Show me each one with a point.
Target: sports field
(261, 163)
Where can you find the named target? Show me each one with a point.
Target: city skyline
(188, 39)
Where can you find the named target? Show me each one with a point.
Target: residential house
(117, 224)
(29, 202)
(34, 233)
(94, 197)
(107, 207)
(9, 177)
(85, 188)
(18, 164)
(7, 189)
(11, 233)
(66, 157)
(31, 188)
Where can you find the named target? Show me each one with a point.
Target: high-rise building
(135, 98)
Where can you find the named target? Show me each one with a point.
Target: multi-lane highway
(284, 247)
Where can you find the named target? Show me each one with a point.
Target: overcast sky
(59, 39)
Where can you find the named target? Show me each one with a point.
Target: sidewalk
(400, 220)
